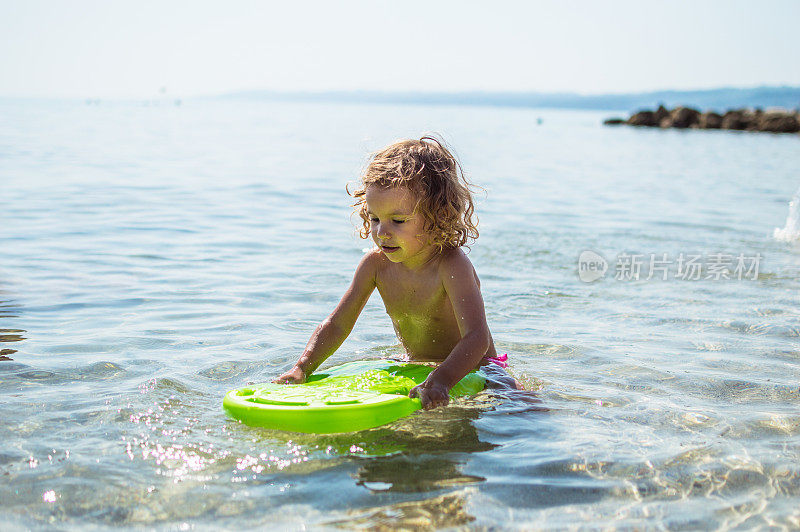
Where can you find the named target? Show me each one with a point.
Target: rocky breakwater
(771, 120)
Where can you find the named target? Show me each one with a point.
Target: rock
(771, 120)
(681, 117)
(643, 118)
(778, 122)
(753, 118)
(709, 120)
(734, 119)
(661, 113)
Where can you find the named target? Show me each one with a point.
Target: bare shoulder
(464, 291)
(371, 263)
(455, 265)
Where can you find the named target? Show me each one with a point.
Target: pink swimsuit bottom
(500, 360)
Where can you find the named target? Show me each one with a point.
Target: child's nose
(383, 232)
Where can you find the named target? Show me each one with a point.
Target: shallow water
(156, 256)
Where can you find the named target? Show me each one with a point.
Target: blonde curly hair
(428, 169)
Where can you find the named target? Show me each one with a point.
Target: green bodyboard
(346, 398)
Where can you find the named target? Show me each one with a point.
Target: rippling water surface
(154, 257)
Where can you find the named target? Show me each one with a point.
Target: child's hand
(431, 393)
(293, 376)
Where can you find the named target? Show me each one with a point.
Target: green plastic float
(351, 397)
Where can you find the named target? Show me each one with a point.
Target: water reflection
(412, 474)
(8, 309)
(425, 460)
(429, 456)
(11, 335)
(445, 511)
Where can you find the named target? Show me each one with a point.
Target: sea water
(156, 255)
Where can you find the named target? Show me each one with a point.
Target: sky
(142, 48)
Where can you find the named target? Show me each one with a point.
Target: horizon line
(408, 92)
(713, 99)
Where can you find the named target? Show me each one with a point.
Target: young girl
(416, 204)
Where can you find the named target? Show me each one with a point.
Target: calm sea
(156, 256)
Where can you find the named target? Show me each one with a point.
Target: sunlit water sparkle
(155, 257)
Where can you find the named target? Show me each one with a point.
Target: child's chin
(393, 256)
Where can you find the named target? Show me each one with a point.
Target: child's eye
(373, 219)
(399, 221)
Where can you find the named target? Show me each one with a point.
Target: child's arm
(330, 334)
(461, 284)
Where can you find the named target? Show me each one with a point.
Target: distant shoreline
(762, 97)
(765, 97)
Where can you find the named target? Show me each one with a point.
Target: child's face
(395, 226)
